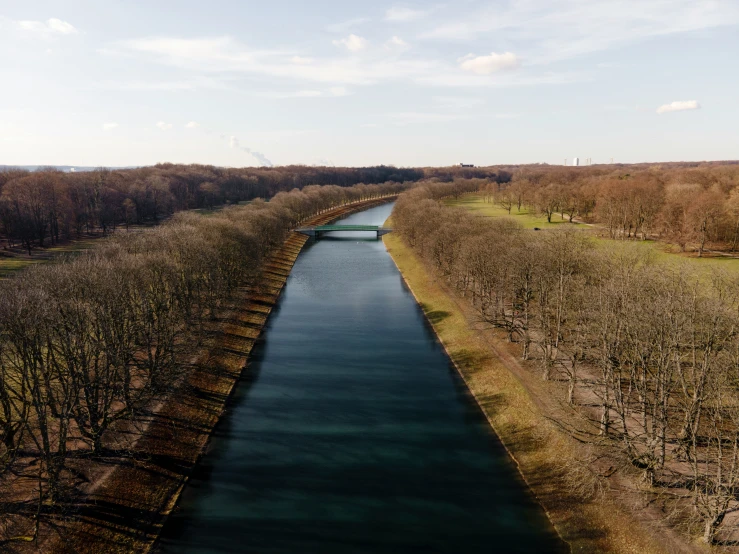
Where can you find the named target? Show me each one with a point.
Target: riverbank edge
(127, 512)
(536, 446)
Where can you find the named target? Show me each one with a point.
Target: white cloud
(164, 126)
(458, 103)
(192, 125)
(47, 28)
(369, 125)
(485, 65)
(344, 26)
(679, 106)
(300, 60)
(224, 55)
(353, 43)
(303, 94)
(563, 29)
(195, 83)
(338, 91)
(310, 93)
(403, 14)
(396, 43)
(405, 118)
(111, 125)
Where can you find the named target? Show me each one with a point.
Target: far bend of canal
(351, 431)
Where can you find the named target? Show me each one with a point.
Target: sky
(348, 83)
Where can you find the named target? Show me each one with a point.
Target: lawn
(667, 253)
(528, 220)
(661, 252)
(12, 262)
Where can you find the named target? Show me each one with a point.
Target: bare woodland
(647, 353)
(42, 208)
(691, 205)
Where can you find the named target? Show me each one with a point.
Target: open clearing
(659, 251)
(529, 220)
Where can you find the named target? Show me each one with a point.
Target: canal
(352, 433)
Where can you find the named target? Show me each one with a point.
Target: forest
(92, 340)
(645, 353)
(44, 207)
(695, 206)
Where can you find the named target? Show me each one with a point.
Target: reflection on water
(351, 432)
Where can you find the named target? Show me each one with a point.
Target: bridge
(317, 230)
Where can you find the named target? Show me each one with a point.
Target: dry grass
(516, 406)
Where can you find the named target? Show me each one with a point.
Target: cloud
(485, 65)
(111, 125)
(195, 83)
(234, 142)
(310, 93)
(403, 14)
(406, 118)
(344, 26)
(396, 43)
(224, 58)
(47, 28)
(192, 125)
(562, 29)
(679, 106)
(353, 43)
(164, 126)
(458, 103)
(338, 91)
(300, 60)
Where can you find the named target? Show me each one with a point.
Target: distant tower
(576, 162)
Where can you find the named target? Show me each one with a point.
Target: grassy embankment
(125, 508)
(658, 251)
(515, 410)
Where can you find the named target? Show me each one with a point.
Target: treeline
(654, 347)
(89, 341)
(687, 205)
(45, 206)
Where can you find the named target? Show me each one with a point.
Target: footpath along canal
(351, 432)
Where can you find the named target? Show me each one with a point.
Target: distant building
(466, 165)
(576, 162)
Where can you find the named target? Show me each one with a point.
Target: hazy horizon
(356, 84)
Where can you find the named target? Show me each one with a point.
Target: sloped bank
(126, 511)
(538, 447)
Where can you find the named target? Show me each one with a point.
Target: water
(352, 433)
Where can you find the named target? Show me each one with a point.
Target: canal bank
(352, 432)
(512, 404)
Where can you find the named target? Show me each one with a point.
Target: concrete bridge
(318, 230)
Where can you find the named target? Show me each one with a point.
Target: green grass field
(660, 251)
(12, 263)
(528, 220)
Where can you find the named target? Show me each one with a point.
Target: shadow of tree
(434, 316)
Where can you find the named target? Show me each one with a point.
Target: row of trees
(653, 346)
(688, 206)
(42, 207)
(91, 340)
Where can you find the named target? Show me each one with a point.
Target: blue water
(352, 433)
